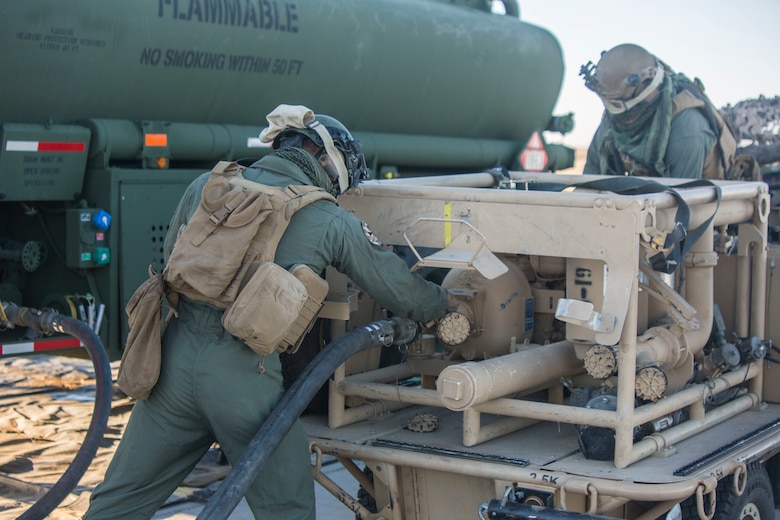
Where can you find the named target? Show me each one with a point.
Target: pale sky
(731, 46)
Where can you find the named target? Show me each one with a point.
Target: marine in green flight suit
(212, 387)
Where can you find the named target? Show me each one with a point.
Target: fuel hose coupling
(395, 331)
(43, 321)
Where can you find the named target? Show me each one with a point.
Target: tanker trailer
(109, 109)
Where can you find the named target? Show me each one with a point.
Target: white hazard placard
(534, 157)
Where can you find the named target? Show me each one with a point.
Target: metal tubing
(512, 473)
(758, 296)
(661, 440)
(700, 199)
(345, 416)
(672, 350)
(693, 394)
(383, 375)
(758, 287)
(357, 474)
(472, 383)
(624, 430)
(742, 318)
(751, 285)
(475, 433)
(699, 290)
(340, 494)
(390, 392)
(550, 412)
(337, 401)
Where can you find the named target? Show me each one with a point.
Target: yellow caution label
(448, 224)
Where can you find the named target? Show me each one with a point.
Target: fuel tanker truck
(610, 351)
(109, 109)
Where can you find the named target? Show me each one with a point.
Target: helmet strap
(334, 155)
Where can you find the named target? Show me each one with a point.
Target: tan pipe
(692, 395)
(523, 475)
(658, 441)
(624, 416)
(472, 383)
(459, 188)
(551, 412)
(671, 347)
(474, 432)
(385, 392)
(338, 413)
(699, 289)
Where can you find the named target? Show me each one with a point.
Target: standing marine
(212, 387)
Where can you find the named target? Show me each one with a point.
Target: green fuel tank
(109, 109)
(383, 67)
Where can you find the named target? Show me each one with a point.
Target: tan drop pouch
(317, 290)
(265, 308)
(139, 368)
(276, 308)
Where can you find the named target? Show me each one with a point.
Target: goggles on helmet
(619, 106)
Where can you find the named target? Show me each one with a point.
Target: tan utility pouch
(276, 308)
(265, 308)
(139, 368)
(317, 290)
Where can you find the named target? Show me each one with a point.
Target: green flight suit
(211, 388)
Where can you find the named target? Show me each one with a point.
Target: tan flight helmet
(624, 77)
(341, 155)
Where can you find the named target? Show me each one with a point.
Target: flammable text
(259, 14)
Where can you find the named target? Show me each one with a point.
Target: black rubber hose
(48, 322)
(292, 404)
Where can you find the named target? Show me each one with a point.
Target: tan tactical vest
(236, 227)
(225, 256)
(721, 162)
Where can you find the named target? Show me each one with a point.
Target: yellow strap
(69, 299)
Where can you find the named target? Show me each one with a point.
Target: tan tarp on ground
(46, 405)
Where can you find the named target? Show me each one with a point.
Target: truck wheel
(773, 468)
(756, 502)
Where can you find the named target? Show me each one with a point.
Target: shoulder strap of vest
(726, 142)
(227, 168)
(291, 192)
(285, 202)
(226, 203)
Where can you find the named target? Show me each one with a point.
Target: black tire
(756, 502)
(773, 468)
